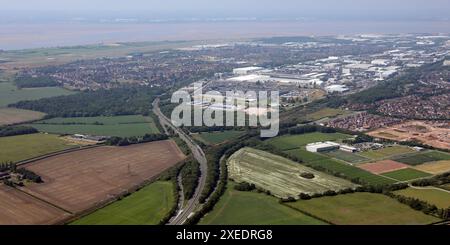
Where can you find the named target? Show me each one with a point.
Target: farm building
(322, 146)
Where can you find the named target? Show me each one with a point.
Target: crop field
(19, 208)
(144, 207)
(10, 94)
(406, 174)
(346, 156)
(351, 171)
(437, 197)
(326, 112)
(213, 138)
(22, 147)
(281, 176)
(251, 208)
(289, 142)
(80, 180)
(418, 159)
(14, 116)
(362, 209)
(387, 152)
(305, 155)
(122, 126)
(384, 166)
(438, 167)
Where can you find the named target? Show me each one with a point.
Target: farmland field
(212, 138)
(351, 171)
(346, 156)
(279, 175)
(20, 208)
(305, 155)
(433, 196)
(10, 94)
(326, 112)
(386, 152)
(438, 167)
(289, 142)
(363, 209)
(418, 159)
(251, 208)
(69, 178)
(383, 166)
(122, 126)
(14, 116)
(22, 147)
(144, 207)
(406, 174)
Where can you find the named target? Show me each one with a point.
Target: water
(23, 36)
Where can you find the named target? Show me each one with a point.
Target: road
(193, 204)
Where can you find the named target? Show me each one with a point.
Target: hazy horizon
(49, 23)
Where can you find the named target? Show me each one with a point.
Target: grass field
(363, 209)
(122, 126)
(10, 94)
(22, 147)
(289, 142)
(281, 176)
(14, 116)
(418, 159)
(433, 196)
(386, 152)
(213, 138)
(144, 207)
(347, 156)
(251, 208)
(326, 112)
(438, 167)
(406, 174)
(305, 155)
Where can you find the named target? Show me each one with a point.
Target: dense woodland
(114, 102)
(32, 82)
(16, 130)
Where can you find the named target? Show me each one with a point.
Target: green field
(144, 207)
(213, 138)
(22, 147)
(305, 155)
(437, 197)
(281, 176)
(387, 152)
(251, 208)
(326, 112)
(362, 209)
(346, 156)
(122, 126)
(289, 142)
(406, 174)
(421, 158)
(10, 94)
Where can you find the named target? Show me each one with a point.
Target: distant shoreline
(28, 36)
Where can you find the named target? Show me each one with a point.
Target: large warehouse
(322, 146)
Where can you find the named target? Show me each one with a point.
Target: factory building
(322, 146)
(246, 70)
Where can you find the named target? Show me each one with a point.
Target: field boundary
(308, 214)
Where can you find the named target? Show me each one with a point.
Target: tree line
(113, 102)
(35, 82)
(16, 130)
(190, 174)
(124, 141)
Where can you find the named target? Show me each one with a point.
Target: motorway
(193, 204)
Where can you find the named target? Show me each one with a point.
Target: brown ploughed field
(78, 181)
(18, 208)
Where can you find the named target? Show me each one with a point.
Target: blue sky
(362, 9)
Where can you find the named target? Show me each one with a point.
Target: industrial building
(322, 146)
(246, 70)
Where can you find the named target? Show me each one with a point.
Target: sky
(318, 9)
